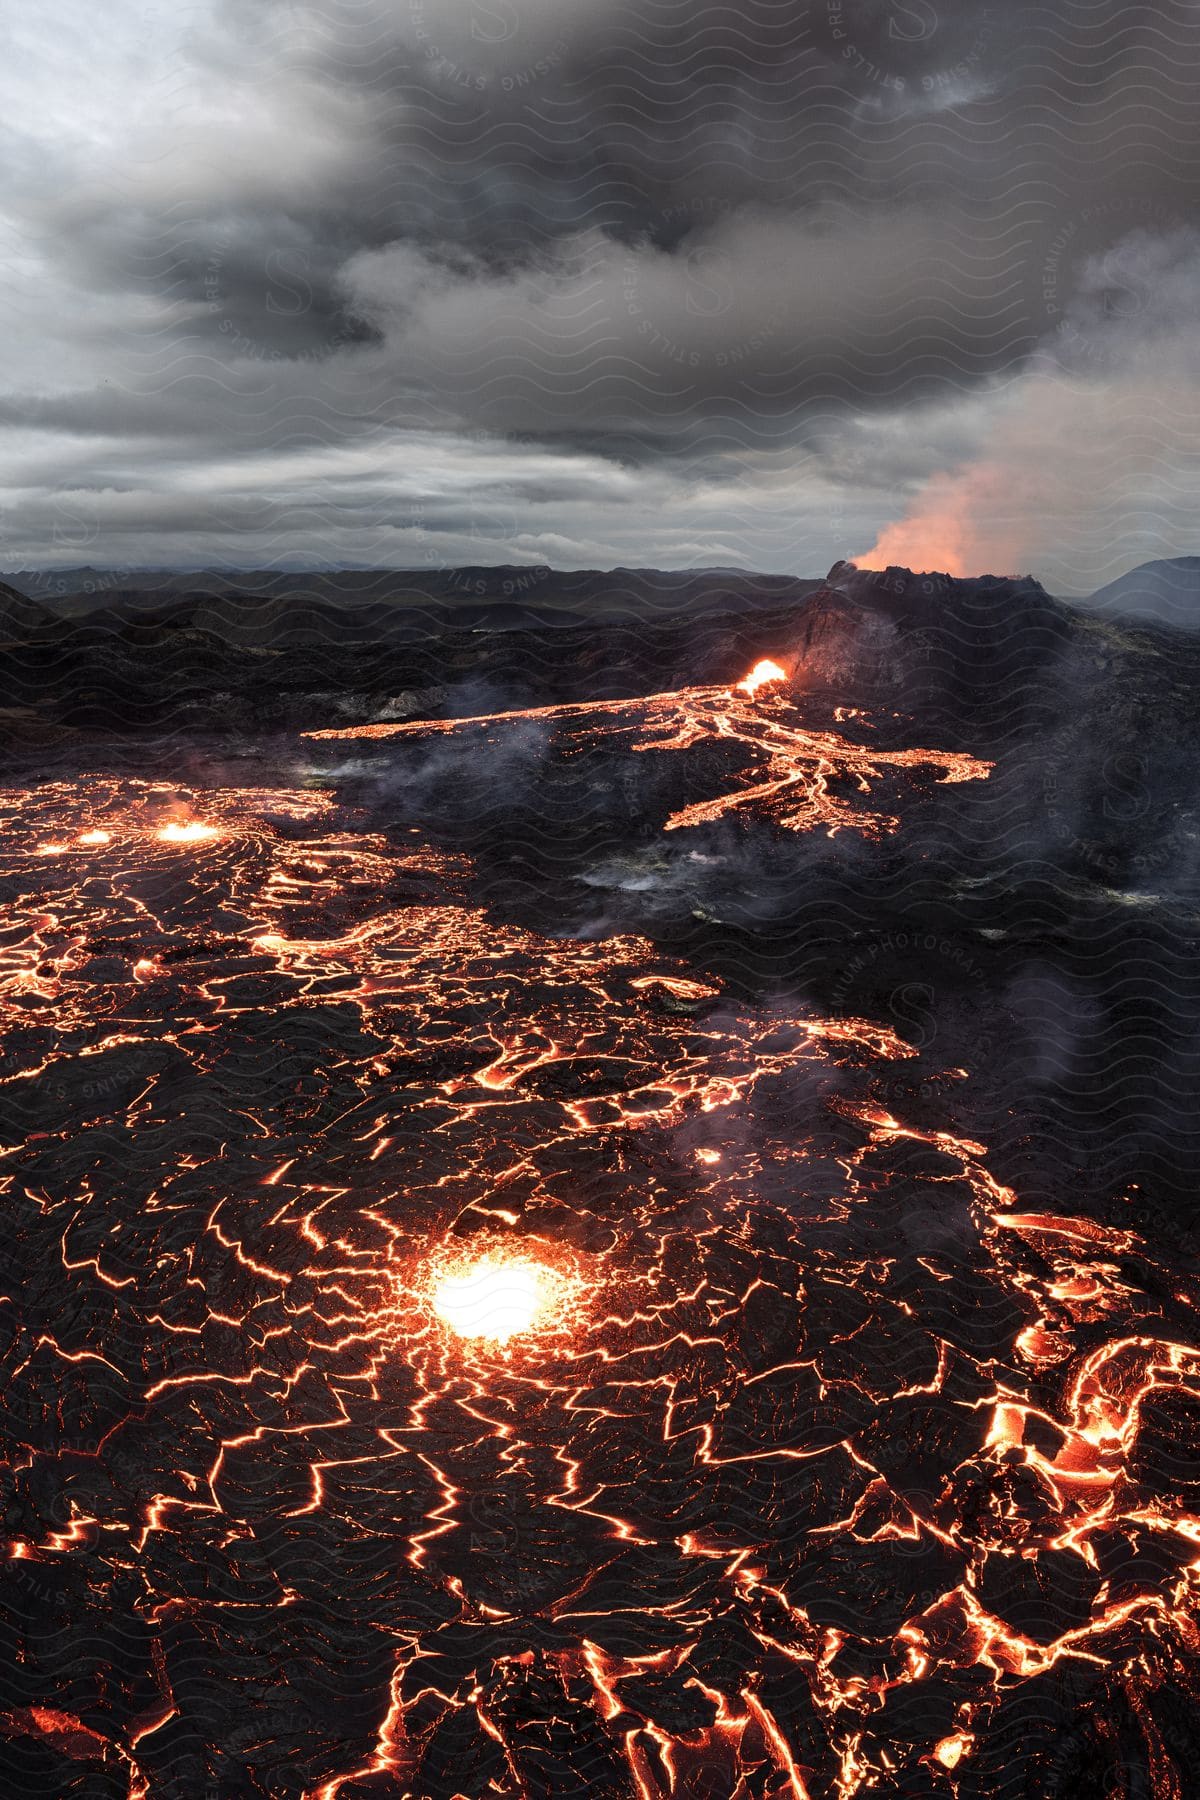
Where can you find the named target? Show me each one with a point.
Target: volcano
(461, 1342)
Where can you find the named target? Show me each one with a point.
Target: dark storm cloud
(485, 140)
(639, 232)
(911, 158)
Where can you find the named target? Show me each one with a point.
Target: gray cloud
(337, 279)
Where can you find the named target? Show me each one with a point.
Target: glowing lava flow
(792, 1457)
(804, 780)
(494, 1298)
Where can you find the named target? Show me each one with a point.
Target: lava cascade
(803, 779)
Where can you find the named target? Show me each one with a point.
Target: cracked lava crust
(442, 1360)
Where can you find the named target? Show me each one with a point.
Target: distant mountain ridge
(526, 594)
(1166, 592)
(966, 663)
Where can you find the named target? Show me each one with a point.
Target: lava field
(445, 1361)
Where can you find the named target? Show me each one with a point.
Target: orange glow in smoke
(760, 675)
(493, 1298)
(943, 530)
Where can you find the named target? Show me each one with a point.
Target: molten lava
(804, 780)
(493, 1298)
(192, 833)
(762, 675)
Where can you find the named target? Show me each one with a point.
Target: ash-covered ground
(818, 1052)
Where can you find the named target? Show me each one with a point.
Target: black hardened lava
(451, 1353)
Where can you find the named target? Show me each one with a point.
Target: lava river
(443, 1361)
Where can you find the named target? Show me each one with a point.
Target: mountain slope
(1166, 592)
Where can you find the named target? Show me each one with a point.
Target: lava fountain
(763, 674)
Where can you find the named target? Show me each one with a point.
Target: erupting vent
(763, 674)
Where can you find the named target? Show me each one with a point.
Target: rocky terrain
(1057, 902)
(803, 985)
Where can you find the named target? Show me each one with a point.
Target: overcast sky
(586, 282)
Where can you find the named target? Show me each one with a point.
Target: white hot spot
(760, 676)
(492, 1299)
(194, 833)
